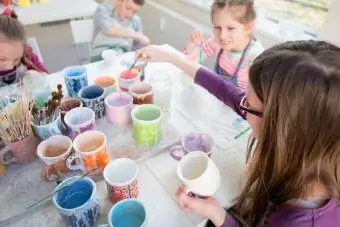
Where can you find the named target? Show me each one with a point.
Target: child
(292, 105)
(232, 42)
(15, 55)
(118, 27)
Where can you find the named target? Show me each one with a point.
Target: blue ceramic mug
(93, 97)
(128, 212)
(75, 79)
(45, 131)
(77, 203)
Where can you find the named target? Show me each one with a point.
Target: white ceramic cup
(199, 174)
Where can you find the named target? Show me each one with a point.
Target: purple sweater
(286, 215)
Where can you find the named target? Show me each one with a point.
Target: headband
(6, 11)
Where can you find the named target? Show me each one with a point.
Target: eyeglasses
(245, 109)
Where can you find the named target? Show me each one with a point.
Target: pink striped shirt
(229, 60)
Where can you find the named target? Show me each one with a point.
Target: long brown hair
(299, 85)
(242, 11)
(12, 29)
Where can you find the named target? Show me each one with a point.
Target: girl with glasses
(292, 104)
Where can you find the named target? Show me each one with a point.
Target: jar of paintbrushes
(16, 131)
(47, 120)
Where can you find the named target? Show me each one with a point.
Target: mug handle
(190, 193)
(6, 156)
(47, 174)
(177, 152)
(74, 159)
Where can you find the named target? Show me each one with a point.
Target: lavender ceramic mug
(79, 120)
(118, 108)
(194, 141)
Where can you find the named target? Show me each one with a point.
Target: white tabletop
(56, 10)
(157, 177)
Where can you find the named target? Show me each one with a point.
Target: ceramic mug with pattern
(121, 179)
(53, 153)
(141, 93)
(90, 152)
(93, 97)
(78, 204)
(79, 120)
(146, 121)
(45, 131)
(75, 79)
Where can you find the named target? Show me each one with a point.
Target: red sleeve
(34, 61)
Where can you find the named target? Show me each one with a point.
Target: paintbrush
(48, 197)
(135, 62)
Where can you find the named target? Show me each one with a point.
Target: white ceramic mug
(199, 174)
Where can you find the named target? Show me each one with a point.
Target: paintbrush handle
(48, 197)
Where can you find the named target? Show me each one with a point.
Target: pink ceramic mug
(118, 108)
(21, 152)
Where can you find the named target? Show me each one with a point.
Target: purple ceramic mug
(194, 141)
(118, 108)
(79, 120)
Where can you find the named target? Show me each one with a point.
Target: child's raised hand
(208, 207)
(196, 39)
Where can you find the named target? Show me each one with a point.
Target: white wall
(330, 31)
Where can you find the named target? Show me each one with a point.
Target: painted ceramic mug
(107, 83)
(118, 108)
(21, 152)
(146, 121)
(90, 153)
(129, 212)
(93, 98)
(121, 179)
(141, 93)
(77, 203)
(68, 104)
(194, 141)
(127, 78)
(199, 174)
(53, 153)
(79, 120)
(75, 79)
(45, 131)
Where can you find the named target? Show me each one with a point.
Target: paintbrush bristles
(16, 118)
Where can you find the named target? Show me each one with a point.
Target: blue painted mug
(75, 79)
(128, 212)
(45, 131)
(93, 97)
(77, 203)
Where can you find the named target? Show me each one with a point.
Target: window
(291, 18)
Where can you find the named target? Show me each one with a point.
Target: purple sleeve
(221, 89)
(229, 221)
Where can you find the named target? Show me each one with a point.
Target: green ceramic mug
(146, 121)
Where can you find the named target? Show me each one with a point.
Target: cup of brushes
(47, 120)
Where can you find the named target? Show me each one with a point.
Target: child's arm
(111, 27)
(137, 25)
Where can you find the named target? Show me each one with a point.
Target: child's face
(229, 33)
(127, 8)
(254, 103)
(11, 53)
